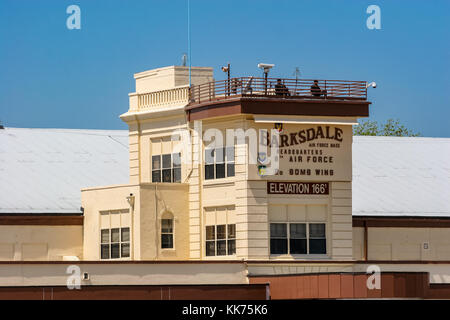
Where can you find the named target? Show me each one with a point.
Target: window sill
(219, 181)
(304, 257)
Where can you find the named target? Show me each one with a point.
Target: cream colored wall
(156, 200)
(403, 243)
(96, 200)
(146, 216)
(124, 274)
(171, 77)
(43, 243)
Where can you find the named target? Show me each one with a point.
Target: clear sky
(53, 77)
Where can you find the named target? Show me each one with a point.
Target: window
(219, 163)
(166, 233)
(317, 240)
(303, 238)
(221, 240)
(115, 243)
(166, 168)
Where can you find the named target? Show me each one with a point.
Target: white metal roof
(43, 170)
(396, 176)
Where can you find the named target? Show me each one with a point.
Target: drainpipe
(366, 245)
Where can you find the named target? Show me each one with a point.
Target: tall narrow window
(297, 238)
(278, 238)
(166, 233)
(105, 244)
(210, 240)
(231, 239)
(317, 240)
(156, 168)
(209, 164)
(176, 164)
(166, 168)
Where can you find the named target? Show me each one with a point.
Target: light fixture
(130, 200)
(372, 84)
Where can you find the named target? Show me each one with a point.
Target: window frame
(307, 254)
(120, 243)
(225, 162)
(227, 240)
(167, 233)
(161, 169)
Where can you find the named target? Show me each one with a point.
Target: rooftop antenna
(297, 74)
(189, 39)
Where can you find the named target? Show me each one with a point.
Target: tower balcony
(250, 95)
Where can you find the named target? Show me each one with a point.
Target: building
(200, 216)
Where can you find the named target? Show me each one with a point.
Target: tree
(390, 128)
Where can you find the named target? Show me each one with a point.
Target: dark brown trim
(41, 220)
(248, 105)
(401, 222)
(138, 292)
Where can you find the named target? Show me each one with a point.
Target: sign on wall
(289, 187)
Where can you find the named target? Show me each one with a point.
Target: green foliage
(390, 128)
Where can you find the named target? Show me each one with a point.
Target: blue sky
(58, 78)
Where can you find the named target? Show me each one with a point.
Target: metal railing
(278, 88)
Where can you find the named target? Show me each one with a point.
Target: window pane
(176, 159)
(166, 161)
(230, 154)
(297, 246)
(209, 171)
(220, 170)
(278, 246)
(156, 176)
(297, 230)
(125, 250)
(115, 235)
(317, 230)
(231, 231)
(210, 233)
(105, 236)
(125, 236)
(115, 251)
(221, 233)
(278, 230)
(220, 155)
(209, 156)
(210, 248)
(317, 246)
(166, 241)
(221, 248)
(166, 225)
(231, 247)
(105, 251)
(156, 162)
(177, 175)
(230, 169)
(167, 175)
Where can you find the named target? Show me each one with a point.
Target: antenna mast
(189, 40)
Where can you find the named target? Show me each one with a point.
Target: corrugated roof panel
(401, 176)
(43, 170)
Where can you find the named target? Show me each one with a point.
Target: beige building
(271, 202)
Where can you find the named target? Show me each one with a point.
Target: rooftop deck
(278, 88)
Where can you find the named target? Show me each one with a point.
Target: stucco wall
(44, 243)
